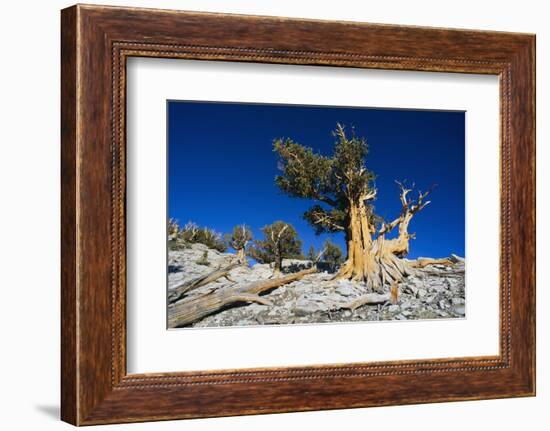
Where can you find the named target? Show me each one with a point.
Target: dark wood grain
(96, 41)
(69, 397)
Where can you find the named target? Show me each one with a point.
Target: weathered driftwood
(191, 310)
(422, 262)
(179, 291)
(369, 298)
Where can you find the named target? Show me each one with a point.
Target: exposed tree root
(191, 310)
(179, 291)
(379, 261)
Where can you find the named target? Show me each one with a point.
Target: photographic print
(294, 214)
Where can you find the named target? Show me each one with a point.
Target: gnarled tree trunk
(378, 262)
(360, 264)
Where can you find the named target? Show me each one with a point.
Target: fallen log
(191, 310)
(179, 291)
(370, 299)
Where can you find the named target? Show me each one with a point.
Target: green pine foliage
(239, 238)
(334, 182)
(280, 241)
(191, 233)
(332, 254)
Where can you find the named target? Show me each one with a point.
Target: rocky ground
(436, 292)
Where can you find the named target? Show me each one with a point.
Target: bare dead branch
(193, 309)
(179, 291)
(325, 218)
(319, 255)
(422, 262)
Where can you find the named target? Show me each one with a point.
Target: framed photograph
(328, 262)
(266, 215)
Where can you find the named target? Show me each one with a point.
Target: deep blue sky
(221, 166)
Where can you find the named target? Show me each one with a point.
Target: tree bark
(379, 262)
(277, 265)
(241, 257)
(359, 264)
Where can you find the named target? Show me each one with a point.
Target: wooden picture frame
(95, 43)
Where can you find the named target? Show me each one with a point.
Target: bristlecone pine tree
(280, 241)
(344, 189)
(239, 239)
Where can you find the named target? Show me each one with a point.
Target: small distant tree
(212, 239)
(311, 254)
(332, 254)
(173, 229)
(239, 239)
(191, 233)
(204, 259)
(280, 241)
